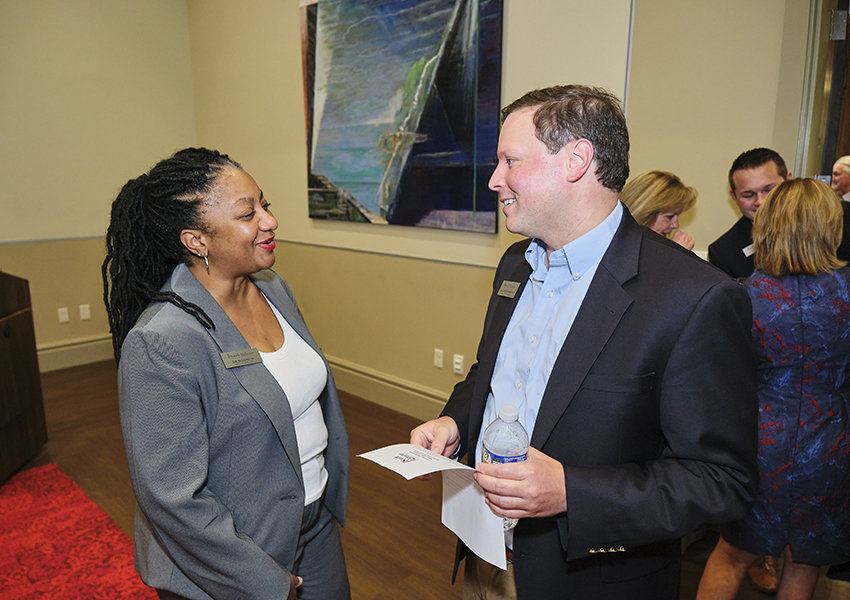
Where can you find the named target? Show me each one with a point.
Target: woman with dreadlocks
(234, 435)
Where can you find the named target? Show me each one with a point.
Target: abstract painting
(402, 110)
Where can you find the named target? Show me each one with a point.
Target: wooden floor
(395, 546)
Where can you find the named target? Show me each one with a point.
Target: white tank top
(301, 373)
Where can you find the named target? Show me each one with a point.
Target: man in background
(752, 176)
(841, 177)
(629, 360)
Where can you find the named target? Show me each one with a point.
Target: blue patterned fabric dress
(801, 333)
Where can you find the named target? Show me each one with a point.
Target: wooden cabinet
(23, 430)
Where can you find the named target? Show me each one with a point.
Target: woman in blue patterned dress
(801, 333)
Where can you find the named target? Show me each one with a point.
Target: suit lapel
(504, 308)
(599, 315)
(745, 234)
(255, 379)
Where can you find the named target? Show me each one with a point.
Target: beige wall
(708, 81)
(705, 83)
(91, 92)
(63, 273)
(378, 319)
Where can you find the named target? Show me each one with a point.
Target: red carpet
(56, 543)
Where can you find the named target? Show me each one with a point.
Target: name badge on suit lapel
(241, 358)
(508, 289)
(748, 250)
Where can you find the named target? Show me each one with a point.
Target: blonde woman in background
(656, 199)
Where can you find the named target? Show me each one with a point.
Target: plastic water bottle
(505, 441)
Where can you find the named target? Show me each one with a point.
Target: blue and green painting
(402, 110)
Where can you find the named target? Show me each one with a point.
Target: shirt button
(519, 385)
(533, 339)
(550, 294)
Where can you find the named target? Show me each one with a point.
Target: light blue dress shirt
(541, 321)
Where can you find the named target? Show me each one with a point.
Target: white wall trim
(387, 390)
(53, 356)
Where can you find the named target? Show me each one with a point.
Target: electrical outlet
(457, 364)
(438, 358)
(63, 315)
(85, 312)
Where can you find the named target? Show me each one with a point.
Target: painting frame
(402, 106)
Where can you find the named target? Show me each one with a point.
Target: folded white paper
(464, 511)
(409, 460)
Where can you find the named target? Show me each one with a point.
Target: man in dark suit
(628, 358)
(752, 176)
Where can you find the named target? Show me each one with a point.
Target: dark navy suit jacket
(651, 408)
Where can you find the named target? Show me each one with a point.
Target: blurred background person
(235, 438)
(840, 181)
(801, 314)
(656, 199)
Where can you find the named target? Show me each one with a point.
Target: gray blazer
(212, 451)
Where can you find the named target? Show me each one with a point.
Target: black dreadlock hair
(143, 243)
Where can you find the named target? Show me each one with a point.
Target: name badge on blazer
(748, 250)
(508, 289)
(240, 358)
